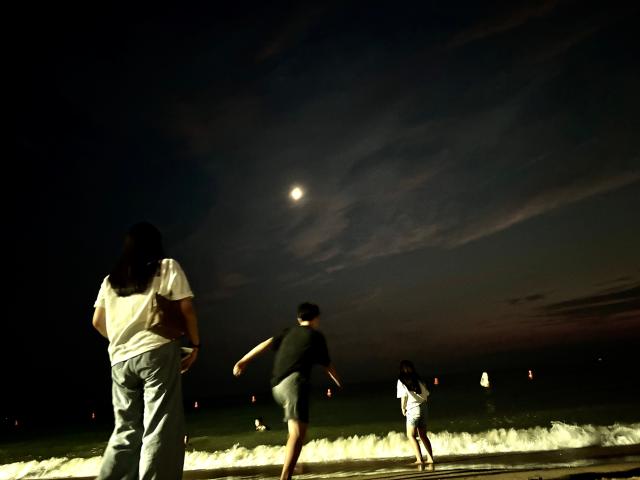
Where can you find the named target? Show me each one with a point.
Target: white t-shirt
(127, 317)
(413, 399)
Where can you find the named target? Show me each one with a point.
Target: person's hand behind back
(187, 361)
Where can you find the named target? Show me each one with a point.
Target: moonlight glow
(296, 193)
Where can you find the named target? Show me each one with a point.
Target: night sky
(471, 170)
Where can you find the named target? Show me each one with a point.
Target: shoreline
(595, 472)
(580, 464)
(521, 465)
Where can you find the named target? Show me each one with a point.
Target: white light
(296, 193)
(484, 380)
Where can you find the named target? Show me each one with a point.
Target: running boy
(297, 350)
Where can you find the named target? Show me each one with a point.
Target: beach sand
(577, 464)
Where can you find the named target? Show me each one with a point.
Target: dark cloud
(533, 297)
(601, 311)
(600, 314)
(622, 303)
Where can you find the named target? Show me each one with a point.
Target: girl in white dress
(413, 394)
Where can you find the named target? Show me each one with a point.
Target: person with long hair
(413, 393)
(148, 438)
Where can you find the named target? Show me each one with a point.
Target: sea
(543, 410)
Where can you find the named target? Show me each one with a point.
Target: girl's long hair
(139, 261)
(409, 377)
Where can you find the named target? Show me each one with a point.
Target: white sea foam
(558, 436)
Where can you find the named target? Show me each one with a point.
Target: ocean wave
(360, 447)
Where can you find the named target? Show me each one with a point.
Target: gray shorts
(417, 417)
(292, 394)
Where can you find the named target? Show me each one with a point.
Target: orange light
(253, 399)
(436, 381)
(530, 375)
(329, 393)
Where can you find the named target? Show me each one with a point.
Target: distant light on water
(196, 405)
(484, 380)
(329, 393)
(253, 399)
(93, 415)
(436, 381)
(530, 375)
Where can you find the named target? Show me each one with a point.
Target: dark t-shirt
(297, 350)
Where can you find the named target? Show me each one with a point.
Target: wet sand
(576, 464)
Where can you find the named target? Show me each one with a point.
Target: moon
(296, 193)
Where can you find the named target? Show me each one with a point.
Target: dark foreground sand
(591, 463)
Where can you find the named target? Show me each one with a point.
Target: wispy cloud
(615, 281)
(227, 286)
(292, 29)
(314, 237)
(537, 205)
(516, 15)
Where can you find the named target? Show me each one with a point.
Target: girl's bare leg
(411, 434)
(427, 444)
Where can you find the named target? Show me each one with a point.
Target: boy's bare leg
(411, 435)
(297, 432)
(427, 444)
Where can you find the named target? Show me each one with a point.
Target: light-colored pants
(148, 439)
